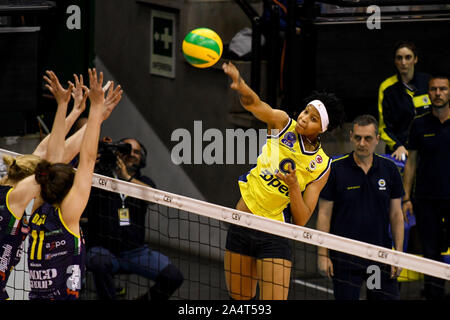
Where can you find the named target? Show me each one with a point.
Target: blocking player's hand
(62, 95)
(113, 96)
(79, 94)
(96, 93)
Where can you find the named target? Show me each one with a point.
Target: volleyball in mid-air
(202, 47)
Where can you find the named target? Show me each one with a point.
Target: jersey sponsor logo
(382, 184)
(42, 279)
(319, 159)
(55, 244)
(274, 182)
(4, 260)
(289, 139)
(19, 251)
(54, 232)
(284, 165)
(312, 166)
(50, 256)
(36, 265)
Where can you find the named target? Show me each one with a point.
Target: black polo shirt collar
(375, 161)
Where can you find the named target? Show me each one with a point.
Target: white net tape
(303, 234)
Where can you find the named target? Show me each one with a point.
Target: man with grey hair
(361, 200)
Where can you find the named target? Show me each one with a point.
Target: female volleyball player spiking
(56, 250)
(19, 187)
(291, 171)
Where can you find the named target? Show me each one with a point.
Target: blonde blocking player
(293, 177)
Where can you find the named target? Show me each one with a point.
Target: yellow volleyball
(202, 47)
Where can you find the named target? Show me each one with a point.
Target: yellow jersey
(266, 195)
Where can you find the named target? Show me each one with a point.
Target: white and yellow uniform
(266, 195)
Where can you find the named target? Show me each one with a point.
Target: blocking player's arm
(75, 202)
(55, 140)
(274, 118)
(48, 149)
(408, 178)
(73, 143)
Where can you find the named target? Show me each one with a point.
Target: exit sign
(162, 43)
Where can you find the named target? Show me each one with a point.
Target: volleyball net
(192, 234)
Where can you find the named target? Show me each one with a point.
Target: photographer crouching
(116, 227)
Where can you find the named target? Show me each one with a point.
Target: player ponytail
(20, 167)
(55, 181)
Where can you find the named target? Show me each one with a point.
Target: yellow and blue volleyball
(202, 47)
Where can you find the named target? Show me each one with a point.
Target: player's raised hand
(62, 96)
(113, 97)
(96, 93)
(79, 94)
(231, 71)
(290, 178)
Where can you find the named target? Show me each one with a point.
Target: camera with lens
(107, 159)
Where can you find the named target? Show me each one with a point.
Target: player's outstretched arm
(48, 148)
(79, 95)
(75, 202)
(62, 96)
(275, 119)
(73, 143)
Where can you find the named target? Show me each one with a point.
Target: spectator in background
(400, 98)
(360, 200)
(427, 168)
(116, 228)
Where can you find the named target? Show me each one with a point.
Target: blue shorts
(257, 244)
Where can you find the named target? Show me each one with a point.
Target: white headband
(320, 107)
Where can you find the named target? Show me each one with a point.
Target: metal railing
(306, 14)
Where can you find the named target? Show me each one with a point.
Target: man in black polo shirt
(429, 163)
(361, 200)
